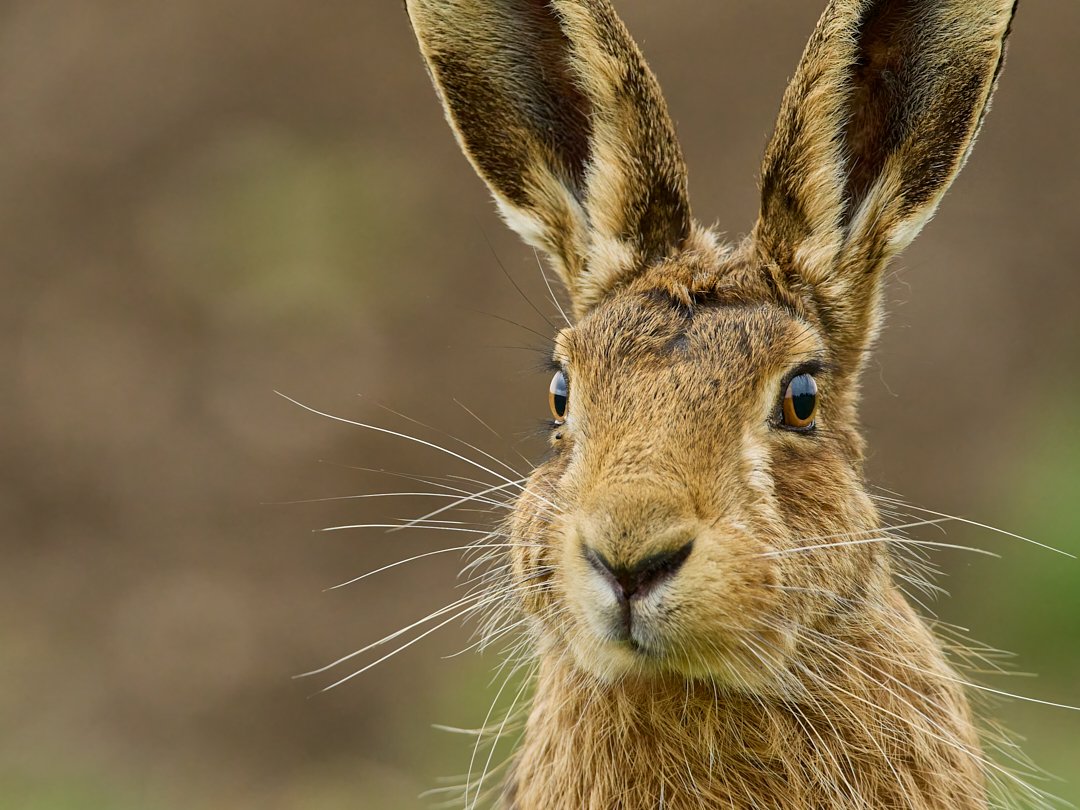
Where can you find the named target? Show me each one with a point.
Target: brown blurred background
(203, 202)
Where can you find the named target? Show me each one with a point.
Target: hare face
(671, 522)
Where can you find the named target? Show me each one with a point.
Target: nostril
(642, 576)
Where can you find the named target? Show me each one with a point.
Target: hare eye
(558, 397)
(800, 402)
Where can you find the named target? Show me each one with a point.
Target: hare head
(702, 515)
(704, 438)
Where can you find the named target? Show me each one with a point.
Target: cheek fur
(757, 467)
(726, 588)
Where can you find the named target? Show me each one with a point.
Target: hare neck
(883, 725)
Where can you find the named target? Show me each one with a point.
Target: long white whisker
(935, 674)
(480, 601)
(449, 506)
(876, 529)
(480, 737)
(976, 524)
(398, 526)
(368, 495)
(493, 432)
(429, 554)
(489, 638)
(551, 292)
(495, 742)
(398, 434)
(902, 541)
(463, 612)
(988, 764)
(484, 453)
(465, 600)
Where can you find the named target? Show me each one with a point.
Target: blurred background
(202, 202)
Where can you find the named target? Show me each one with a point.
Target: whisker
(517, 286)
(489, 638)
(398, 434)
(370, 495)
(396, 634)
(480, 736)
(399, 526)
(976, 524)
(494, 744)
(423, 556)
(876, 530)
(430, 480)
(988, 765)
(551, 292)
(426, 426)
(480, 601)
(401, 648)
(493, 432)
(959, 681)
(541, 335)
(460, 501)
(902, 541)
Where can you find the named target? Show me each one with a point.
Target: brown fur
(775, 668)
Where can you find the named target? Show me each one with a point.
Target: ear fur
(558, 112)
(875, 125)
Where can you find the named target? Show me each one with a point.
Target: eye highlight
(800, 402)
(558, 397)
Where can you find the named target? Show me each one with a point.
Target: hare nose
(638, 579)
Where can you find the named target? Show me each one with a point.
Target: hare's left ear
(875, 125)
(556, 109)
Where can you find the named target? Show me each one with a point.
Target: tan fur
(779, 667)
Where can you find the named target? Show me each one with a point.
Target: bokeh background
(205, 201)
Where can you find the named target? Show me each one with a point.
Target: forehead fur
(686, 314)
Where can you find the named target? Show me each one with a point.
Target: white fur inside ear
(524, 223)
(609, 260)
(874, 213)
(905, 232)
(557, 225)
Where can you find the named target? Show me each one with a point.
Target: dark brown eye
(558, 397)
(800, 402)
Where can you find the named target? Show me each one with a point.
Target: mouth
(625, 640)
(656, 644)
(636, 630)
(615, 660)
(636, 646)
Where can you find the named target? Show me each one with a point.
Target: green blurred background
(205, 201)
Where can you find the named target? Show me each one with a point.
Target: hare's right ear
(875, 125)
(556, 109)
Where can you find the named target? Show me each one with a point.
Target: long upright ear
(875, 125)
(554, 105)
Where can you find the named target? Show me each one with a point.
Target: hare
(705, 578)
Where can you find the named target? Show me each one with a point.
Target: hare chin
(757, 670)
